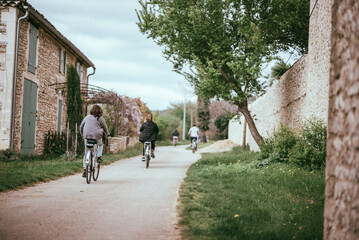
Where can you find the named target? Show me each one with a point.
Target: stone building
(31, 103)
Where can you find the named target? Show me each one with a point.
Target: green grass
(30, 170)
(225, 196)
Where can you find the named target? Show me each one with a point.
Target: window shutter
(32, 49)
(59, 116)
(78, 68)
(81, 73)
(61, 62)
(65, 62)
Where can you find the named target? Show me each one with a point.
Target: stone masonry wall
(282, 103)
(117, 144)
(7, 56)
(341, 214)
(302, 92)
(316, 102)
(47, 73)
(132, 141)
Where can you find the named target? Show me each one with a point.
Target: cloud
(106, 32)
(153, 95)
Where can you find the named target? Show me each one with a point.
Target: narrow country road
(127, 202)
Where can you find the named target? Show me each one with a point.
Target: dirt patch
(219, 146)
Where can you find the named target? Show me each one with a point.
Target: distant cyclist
(193, 132)
(149, 132)
(175, 136)
(94, 127)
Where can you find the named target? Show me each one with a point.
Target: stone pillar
(341, 213)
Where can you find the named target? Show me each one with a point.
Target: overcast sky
(126, 61)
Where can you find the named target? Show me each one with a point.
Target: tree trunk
(244, 134)
(243, 108)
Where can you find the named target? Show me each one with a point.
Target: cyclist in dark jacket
(175, 136)
(149, 132)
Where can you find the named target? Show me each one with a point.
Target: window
(32, 49)
(62, 61)
(79, 70)
(65, 62)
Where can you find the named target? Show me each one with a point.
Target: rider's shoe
(99, 160)
(143, 158)
(152, 154)
(84, 173)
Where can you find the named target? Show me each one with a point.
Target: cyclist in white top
(193, 132)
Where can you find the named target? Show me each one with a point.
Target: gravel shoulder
(219, 146)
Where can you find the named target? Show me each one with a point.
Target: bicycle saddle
(90, 143)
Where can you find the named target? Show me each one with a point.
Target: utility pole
(184, 120)
(191, 118)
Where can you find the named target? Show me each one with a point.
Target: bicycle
(194, 145)
(147, 147)
(175, 140)
(92, 166)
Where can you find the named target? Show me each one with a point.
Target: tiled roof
(47, 26)
(11, 3)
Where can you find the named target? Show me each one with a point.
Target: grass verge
(30, 170)
(225, 196)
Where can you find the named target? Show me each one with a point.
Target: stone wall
(342, 166)
(7, 50)
(117, 144)
(47, 74)
(316, 102)
(302, 92)
(283, 102)
(132, 141)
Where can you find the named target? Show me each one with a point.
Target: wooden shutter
(61, 61)
(32, 49)
(28, 117)
(59, 116)
(65, 63)
(81, 73)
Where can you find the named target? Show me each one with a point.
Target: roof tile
(11, 3)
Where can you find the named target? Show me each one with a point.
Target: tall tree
(74, 101)
(203, 114)
(223, 43)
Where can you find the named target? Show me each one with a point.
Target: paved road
(128, 202)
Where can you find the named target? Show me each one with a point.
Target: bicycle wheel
(96, 170)
(147, 160)
(89, 170)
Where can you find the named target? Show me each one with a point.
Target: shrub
(8, 155)
(55, 143)
(267, 147)
(221, 124)
(311, 149)
(278, 146)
